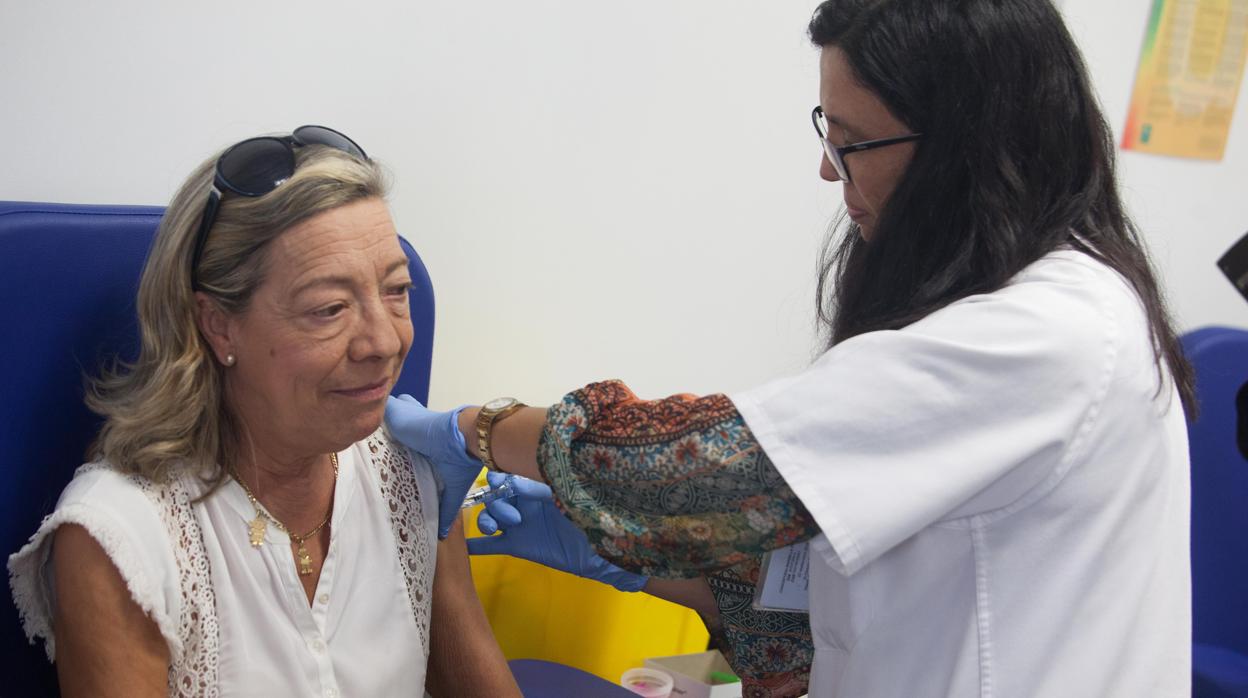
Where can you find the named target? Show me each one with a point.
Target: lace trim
(195, 673)
(32, 593)
(192, 638)
(402, 494)
(194, 657)
(194, 645)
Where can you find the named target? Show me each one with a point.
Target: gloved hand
(436, 435)
(534, 529)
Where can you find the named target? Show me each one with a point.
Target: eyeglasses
(836, 153)
(257, 166)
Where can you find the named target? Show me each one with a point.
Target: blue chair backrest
(1219, 491)
(68, 278)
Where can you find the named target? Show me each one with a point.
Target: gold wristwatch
(491, 412)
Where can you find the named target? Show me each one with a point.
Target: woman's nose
(826, 170)
(377, 337)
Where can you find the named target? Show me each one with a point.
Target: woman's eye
(329, 311)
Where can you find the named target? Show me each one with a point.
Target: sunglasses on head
(257, 166)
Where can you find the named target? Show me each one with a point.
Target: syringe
(484, 495)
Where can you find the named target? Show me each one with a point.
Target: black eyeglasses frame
(836, 153)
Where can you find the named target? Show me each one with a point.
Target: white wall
(599, 189)
(1191, 211)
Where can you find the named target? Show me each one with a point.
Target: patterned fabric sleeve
(670, 488)
(771, 651)
(679, 488)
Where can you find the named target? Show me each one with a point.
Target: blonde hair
(165, 412)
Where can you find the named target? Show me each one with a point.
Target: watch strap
(486, 419)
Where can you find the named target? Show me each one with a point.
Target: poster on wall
(1191, 67)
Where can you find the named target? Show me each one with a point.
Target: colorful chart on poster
(1191, 68)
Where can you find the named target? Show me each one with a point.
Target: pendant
(305, 559)
(256, 531)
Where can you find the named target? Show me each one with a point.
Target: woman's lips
(366, 393)
(855, 213)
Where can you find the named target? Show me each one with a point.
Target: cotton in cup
(647, 682)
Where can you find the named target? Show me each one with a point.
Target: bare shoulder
(106, 643)
(464, 657)
(73, 546)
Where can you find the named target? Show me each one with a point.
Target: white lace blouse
(236, 618)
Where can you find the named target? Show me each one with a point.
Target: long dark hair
(1016, 161)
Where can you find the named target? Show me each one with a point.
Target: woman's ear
(214, 324)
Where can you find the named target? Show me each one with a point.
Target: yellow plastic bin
(539, 613)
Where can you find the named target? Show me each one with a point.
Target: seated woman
(245, 526)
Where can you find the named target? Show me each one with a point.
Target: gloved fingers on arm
(396, 418)
(504, 513)
(486, 523)
(498, 514)
(496, 478)
(448, 502)
(436, 435)
(525, 488)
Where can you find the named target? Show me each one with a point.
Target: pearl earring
(229, 359)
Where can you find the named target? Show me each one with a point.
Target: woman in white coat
(990, 459)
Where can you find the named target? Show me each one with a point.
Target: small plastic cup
(648, 682)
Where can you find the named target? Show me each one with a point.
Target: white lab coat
(1003, 494)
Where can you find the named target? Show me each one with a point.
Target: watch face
(500, 403)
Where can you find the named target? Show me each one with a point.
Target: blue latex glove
(436, 436)
(534, 529)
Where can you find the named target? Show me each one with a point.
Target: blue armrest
(1217, 671)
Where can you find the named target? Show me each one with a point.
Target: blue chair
(1219, 512)
(68, 277)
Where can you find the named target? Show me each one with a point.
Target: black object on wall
(1234, 263)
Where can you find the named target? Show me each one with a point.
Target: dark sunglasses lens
(255, 167)
(320, 135)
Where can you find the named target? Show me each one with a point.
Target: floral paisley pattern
(771, 651)
(680, 488)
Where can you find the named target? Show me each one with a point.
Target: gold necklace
(256, 529)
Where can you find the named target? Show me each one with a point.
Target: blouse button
(318, 646)
(331, 693)
(323, 598)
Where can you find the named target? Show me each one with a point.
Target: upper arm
(106, 644)
(464, 657)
